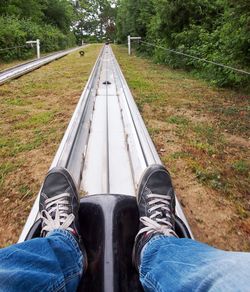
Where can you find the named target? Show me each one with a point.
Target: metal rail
(27, 67)
(106, 146)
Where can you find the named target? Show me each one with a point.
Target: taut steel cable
(197, 58)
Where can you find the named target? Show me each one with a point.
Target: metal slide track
(106, 146)
(27, 67)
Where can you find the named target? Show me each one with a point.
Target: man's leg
(52, 263)
(173, 264)
(56, 261)
(168, 263)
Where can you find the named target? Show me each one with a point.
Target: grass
(203, 130)
(241, 166)
(35, 111)
(16, 101)
(36, 120)
(179, 155)
(208, 176)
(6, 168)
(178, 120)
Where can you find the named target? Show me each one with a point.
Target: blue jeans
(55, 263)
(175, 264)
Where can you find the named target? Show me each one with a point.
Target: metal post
(37, 42)
(129, 45)
(38, 48)
(129, 42)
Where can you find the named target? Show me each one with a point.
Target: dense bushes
(217, 30)
(15, 32)
(23, 20)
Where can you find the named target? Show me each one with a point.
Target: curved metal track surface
(27, 67)
(106, 146)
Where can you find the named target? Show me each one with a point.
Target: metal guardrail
(106, 146)
(27, 67)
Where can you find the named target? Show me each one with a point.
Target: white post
(37, 42)
(129, 42)
(38, 48)
(129, 45)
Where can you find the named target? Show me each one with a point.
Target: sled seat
(109, 224)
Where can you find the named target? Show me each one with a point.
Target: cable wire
(10, 48)
(197, 58)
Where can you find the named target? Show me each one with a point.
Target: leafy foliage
(95, 20)
(59, 13)
(57, 23)
(15, 32)
(23, 20)
(217, 30)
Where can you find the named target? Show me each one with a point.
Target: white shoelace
(61, 220)
(153, 224)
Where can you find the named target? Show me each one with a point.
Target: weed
(207, 176)
(178, 155)
(204, 147)
(24, 189)
(17, 101)
(6, 168)
(7, 142)
(152, 97)
(241, 166)
(205, 131)
(139, 83)
(230, 111)
(36, 120)
(178, 120)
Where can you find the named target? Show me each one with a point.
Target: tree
(22, 20)
(216, 30)
(59, 13)
(95, 18)
(31, 9)
(133, 18)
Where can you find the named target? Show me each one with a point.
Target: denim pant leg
(53, 263)
(173, 264)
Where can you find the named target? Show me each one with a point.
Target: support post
(37, 42)
(38, 48)
(129, 42)
(129, 45)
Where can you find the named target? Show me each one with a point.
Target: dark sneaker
(59, 203)
(156, 204)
